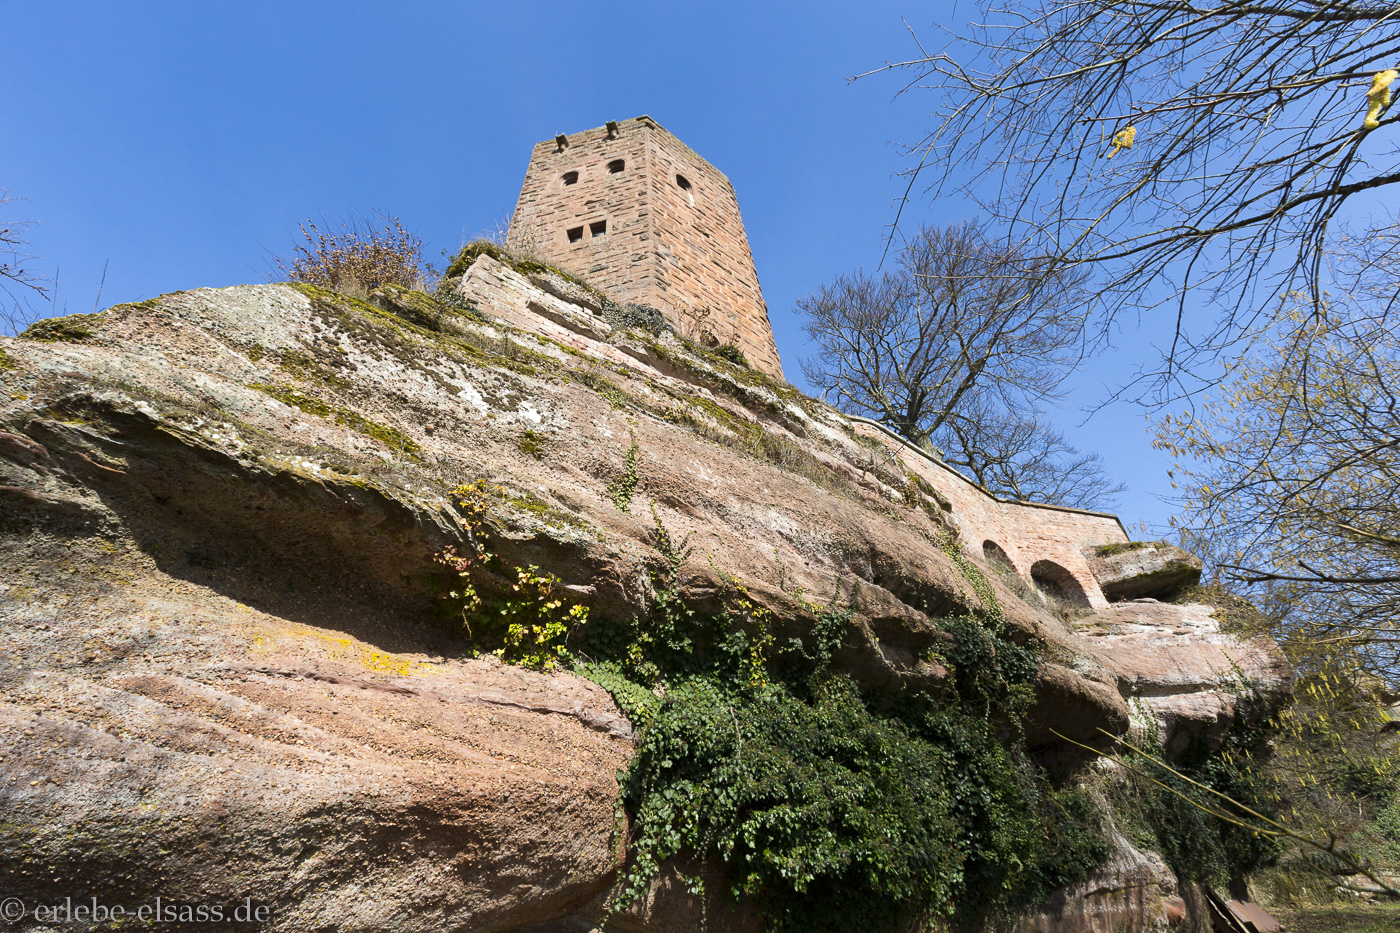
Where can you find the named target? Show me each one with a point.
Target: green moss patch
(7, 361)
(547, 514)
(150, 304)
(383, 433)
(522, 264)
(420, 308)
(732, 354)
(305, 366)
(1123, 547)
(600, 384)
(56, 329)
(1235, 613)
(405, 339)
(532, 443)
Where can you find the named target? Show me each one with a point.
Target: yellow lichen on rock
(1123, 139)
(1378, 97)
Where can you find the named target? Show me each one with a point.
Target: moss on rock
(1122, 547)
(55, 329)
(522, 264)
(1234, 613)
(388, 436)
(532, 443)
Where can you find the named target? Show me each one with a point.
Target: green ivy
(831, 809)
(527, 621)
(1161, 812)
(621, 489)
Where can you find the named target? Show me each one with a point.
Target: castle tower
(632, 210)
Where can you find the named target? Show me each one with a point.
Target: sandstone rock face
(164, 740)
(1176, 666)
(221, 675)
(1141, 570)
(1133, 890)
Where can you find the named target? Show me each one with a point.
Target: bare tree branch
(957, 347)
(18, 283)
(1295, 463)
(1249, 133)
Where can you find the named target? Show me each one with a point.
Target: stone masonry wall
(664, 230)
(1026, 532)
(621, 260)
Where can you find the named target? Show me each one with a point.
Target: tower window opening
(616, 166)
(597, 228)
(683, 183)
(571, 178)
(575, 234)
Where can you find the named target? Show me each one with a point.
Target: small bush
(358, 257)
(733, 354)
(527, 621)
(636, 317)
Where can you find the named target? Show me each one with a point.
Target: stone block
(1142, 570)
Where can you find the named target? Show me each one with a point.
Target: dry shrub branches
(356, 255)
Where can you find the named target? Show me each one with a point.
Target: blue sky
(178, 143)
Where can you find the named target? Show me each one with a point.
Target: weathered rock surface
(164, 740)
(1175, 663)
(1132, 890)
(221, 676)
(1139, 570)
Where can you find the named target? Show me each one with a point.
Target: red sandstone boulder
(1140, 569)
(1175, 662)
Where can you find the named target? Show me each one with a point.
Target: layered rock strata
(221, 677)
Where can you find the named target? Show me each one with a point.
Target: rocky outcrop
(222, 677)
(1142, 570)
(164, 740)
(1182, 673)
(1131, 890)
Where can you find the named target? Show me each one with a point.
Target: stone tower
(631, 209)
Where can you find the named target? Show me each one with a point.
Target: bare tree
(1174, 147)
(1291, 478)
(18, 283)
(958, 345)
(958, 314)
(1024, 457)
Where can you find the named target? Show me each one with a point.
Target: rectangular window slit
(575, 234)
(597, 228)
